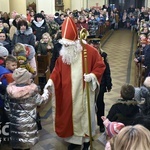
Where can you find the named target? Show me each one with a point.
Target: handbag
(37, 119)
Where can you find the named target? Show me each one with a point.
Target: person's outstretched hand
(48, 85)
(103, 118)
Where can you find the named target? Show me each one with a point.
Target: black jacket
(39, 30)
(106, 82)
(57, 47)
(123, 111)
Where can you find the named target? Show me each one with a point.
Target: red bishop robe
(69, 100)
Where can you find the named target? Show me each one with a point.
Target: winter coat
(5, 78)
(38, 30)
(123, 111)
(42, 48)
(30, 57)
(25, 38)
(143, 97)
(53, 27)
(58, 20)
(81, 25)
(23, 101)
(147, 56)
(93, 27)
(55, 55)
(106, 82)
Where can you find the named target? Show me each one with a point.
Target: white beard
(70, 53)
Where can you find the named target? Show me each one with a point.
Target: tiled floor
(119, 46)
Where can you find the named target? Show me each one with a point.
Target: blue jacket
(3, 84)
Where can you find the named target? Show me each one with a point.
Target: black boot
(86, 145)
(72, 146)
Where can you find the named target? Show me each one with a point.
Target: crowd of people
(80, 75)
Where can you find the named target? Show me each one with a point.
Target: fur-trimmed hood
(23, 92)
(32, 51)
(28, 31)
(127, 102)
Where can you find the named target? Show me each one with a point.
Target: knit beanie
(21, 76)
(112, 128)
(3, 51)
(142, 94)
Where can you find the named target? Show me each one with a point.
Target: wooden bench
(43, 69)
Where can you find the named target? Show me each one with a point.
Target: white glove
(48, 84)
(45, 94)
(87, 77)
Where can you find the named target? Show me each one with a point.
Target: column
(4, 6)
(147, 3)
(76, 4)
(47, 5)
(18, 5)
(85, 4)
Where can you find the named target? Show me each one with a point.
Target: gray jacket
(25, 38)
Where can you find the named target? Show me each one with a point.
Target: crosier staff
(83, 36)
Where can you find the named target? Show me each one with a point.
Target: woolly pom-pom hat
(21, 76)
(141, 94)
(113, 128)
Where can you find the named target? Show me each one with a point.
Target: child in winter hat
(24, 98)
(142, 92)
(112, 128)
(22, 76)
(3, 51)
(29, 52)
(3, 54)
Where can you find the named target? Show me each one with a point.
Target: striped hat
(113, 128)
